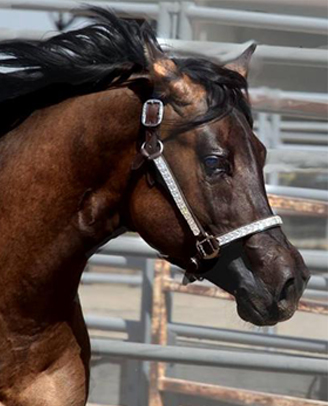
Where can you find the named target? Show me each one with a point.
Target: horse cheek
(154, 217)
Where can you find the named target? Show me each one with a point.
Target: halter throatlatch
(207, 245)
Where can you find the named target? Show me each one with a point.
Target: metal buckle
(155, 154)
(208, 248)
(148, 121)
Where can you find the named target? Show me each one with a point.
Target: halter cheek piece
(207, 245)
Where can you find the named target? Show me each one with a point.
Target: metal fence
(191, 11)
(181, 14)
(144, 350)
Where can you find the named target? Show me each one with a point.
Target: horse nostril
(287, 289)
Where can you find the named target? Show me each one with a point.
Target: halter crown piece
(208, 246)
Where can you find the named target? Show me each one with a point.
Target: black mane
(92, 59)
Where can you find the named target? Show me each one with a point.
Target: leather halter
(207, 245)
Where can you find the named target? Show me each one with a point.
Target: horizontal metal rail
(228, 394)
(76, 7)
(195, 356)
(101, 278)
(226, 51)
(316, 283)
(98, 404)
(105, 323)
(310, 149)
(296, 138)
(311, 292)
(315, 295)
(268, 21)
(136, 247)
(289, 103)
(306, 193)
(315, 4)
(108, 260)
(222, 16)
(252, 339)
(170, 285)
(313, 126)
(136, 280)
(308, 97)
(294, 206)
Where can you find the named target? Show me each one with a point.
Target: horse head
(217, 162)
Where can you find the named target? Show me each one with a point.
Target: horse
(103, 131)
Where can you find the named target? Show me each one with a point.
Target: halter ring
(154, 155)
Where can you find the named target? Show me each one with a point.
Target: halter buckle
(152, 113)
(147, 150)
(208, 248)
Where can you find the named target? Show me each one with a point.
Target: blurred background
(211, 356)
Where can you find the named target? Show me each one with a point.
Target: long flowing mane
(35, 74)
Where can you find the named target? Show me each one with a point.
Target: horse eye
(214, 164)
(212, 161)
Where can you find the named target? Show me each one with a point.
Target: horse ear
(163, 71)
(160, 66)
(241, 63)
(165, 75)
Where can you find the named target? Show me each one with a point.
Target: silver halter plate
(181, 202)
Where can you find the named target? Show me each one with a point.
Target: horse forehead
(194, 93)
(235, 129)
(232, 134)
(218, 132)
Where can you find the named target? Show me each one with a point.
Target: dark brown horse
(71, 132)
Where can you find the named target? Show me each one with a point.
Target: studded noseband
(207, 245)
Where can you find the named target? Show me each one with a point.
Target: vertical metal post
(164, 21)
(134, 379)
(159, 330)
(276, 125)
(185, 27)
(175, 22)
(147, 299)
(170, 369)
(130, 376)
(269, 134)
(146, 326)
(323, 388)
(275, 143)
(263, 130)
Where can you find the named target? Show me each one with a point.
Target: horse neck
(63, 175)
